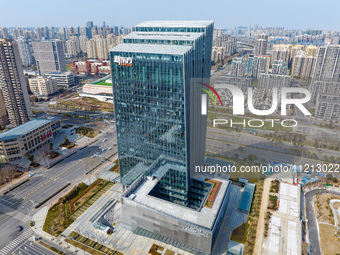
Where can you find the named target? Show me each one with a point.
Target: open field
(329, 244)
(323, 209)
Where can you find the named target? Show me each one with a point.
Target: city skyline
(292, 15)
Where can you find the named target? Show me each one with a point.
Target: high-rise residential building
(238, 67)
(111, 41)
(43, 86)
(327, 66)
(224, 40)
(4, 33)
(89, 24)
(303, 65)
(281, 52)
(29, 34)
(318, 87)
(49, 56)
(82, 43)
(39, 33)
(217, 54)
(102, 51)
(52, 35)
(71, 48)
(257, 64)
(13, 83)
(156, 75)
(17, 32)
(328, 107)
(269, 81)
(91, 48)
(47, 33)
(280, 67)
(25, 51)
(261, 44)
(311, 50)
(3, 113)
(296, 49)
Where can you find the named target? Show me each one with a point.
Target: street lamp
(83, 165)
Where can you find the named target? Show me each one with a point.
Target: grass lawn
(240, 234)
(115, 168)
(57, 219)
(79, 243)
(103, 83)
(85, 195)
(85, 131)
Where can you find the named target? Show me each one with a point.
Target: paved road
(31, 248)
(313, 232)
(16, 207)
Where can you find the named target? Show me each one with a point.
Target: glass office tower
(160, 130)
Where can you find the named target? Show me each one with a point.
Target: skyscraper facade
(25, 51)
(13, 84)
(156, 101)
(49, 56)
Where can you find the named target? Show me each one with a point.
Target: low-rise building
(43, 86)
(64, 80)
(19, 142)
(91, 67)
(100, 89)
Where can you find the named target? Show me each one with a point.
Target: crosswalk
(16, 242)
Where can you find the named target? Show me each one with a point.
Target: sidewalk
(263, 210)
(39, 219)
(13, 183)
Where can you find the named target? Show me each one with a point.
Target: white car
(104, 140)
(110, 148)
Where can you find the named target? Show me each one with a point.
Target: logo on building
(123, 61)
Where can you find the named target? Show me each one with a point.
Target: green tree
(31, 158)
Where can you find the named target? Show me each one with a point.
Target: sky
(291, 14)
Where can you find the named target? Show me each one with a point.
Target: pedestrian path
(16, 242)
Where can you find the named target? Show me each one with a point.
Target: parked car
(20, 228)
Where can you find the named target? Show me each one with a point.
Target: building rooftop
(164, 36)
(25, 128)
(151, 48)
(205, 217)
(175, 23)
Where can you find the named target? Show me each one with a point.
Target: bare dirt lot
(329, 244)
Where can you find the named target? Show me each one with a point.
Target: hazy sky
(314, 14)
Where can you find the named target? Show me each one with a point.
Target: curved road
(313, 232)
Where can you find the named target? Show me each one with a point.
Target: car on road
(104, 149)
(20, 228)
(110, 148)
(104, 140)
(71, 133)
(31, 174)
